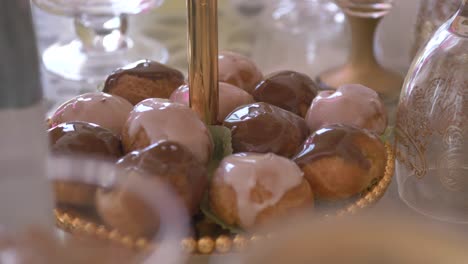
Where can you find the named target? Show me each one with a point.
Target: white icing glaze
(108, 111)
(166, 120)
(181, 95)
(244, 171)
(230, 97)
(238, 70)
(353, 104)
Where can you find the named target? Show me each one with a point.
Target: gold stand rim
(220, 245)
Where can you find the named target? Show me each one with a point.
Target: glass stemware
(102, 43)
(362, 66)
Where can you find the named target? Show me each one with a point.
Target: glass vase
(432, 14)
(432, 125)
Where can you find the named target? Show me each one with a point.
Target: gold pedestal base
(362, 66)
(387, 83)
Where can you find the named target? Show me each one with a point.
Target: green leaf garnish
(101, 86)
(222, 139)
(388, 134)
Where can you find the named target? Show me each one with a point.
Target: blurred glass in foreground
(356, 240)
(85, 177)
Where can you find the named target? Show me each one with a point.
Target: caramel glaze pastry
(80, 138)
(167, 161)
(239, 71)
(341, 161)
(263, 128)
(144, 79)
(250, 189)
(289, 90)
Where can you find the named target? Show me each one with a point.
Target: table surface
(58, 90)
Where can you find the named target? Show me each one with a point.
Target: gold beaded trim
(208, 245)
(377, 191)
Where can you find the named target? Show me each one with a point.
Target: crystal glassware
(432, 125)
(287, 33)
(362, 66)
(297, 16)
(248, 8)
(432, 14)
(102, 44)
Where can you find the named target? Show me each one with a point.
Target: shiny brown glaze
(335, 140)
(144, 79)
(289, 90)
(145, 69)
(263, 128)
(81, 138)
(340, 161)
(173, 163)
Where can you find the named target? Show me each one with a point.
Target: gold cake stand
(74, 223)
(203, 79)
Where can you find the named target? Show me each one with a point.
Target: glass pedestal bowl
(102, 42)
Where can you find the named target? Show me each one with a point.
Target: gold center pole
(203, 58)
